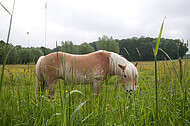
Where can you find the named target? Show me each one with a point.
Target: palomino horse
(90, 68)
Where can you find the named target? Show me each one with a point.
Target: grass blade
(158, 41)
(156, 76)
(76, 111)
(65, 104)
(74, 91)
(128, 54)
(5, 9)
(170, 61)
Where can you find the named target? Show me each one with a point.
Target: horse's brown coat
(81, 69)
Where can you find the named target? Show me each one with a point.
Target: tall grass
(111, 107)
(7, 42)
(156, 76)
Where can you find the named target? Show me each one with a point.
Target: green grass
(75, 105)
(7, 42)
(156, 73)
(111, 107)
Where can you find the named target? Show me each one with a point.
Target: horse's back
(93, 64)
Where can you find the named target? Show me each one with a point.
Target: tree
(94, 45)
(58, 48)
(109, 44)
(24, 55)
(85, 48)
(12, 56)
(2, 43)
(145, 46)
(35, 54)
(45, 50)
(68, 47)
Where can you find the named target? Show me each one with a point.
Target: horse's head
(129, 77)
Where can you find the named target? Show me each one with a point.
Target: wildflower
(140, 67)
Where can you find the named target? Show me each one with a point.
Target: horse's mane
(116, 59)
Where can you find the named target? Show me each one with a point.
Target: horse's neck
(115, 71)
(114, 68)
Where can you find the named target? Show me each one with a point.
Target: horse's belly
(79, 79)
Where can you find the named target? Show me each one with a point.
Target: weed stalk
(6, 47)
(155, 60)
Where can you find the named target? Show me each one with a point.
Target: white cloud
(86, 20)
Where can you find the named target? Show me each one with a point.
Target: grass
(7, 42)
(111, 107)
(155, 66)
(75, 105)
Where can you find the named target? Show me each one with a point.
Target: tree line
(133, 49)
(141, 49)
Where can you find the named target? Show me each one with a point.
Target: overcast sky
(85, 20)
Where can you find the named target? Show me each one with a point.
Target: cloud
(86, 20)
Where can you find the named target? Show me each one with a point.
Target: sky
(86, 20)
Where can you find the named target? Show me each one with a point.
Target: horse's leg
(40, 85)
(51, 87)
(37, 89)
(96, 87)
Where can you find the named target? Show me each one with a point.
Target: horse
(92, 68)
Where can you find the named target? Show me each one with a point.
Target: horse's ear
(122, 67)
(136, 64)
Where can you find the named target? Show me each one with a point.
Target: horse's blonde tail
(39, 77)
(38, 65)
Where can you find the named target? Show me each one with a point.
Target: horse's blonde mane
(116, 59)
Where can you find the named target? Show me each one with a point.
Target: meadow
(166, 102)
(75, 105)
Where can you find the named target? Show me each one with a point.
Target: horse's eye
(125, 76)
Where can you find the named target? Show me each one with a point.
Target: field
(75, 105)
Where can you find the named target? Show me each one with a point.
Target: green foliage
(25, 55)
(68, 47)
(12, 57)
(174, 48)
(29, 55)
(109, 44)
(46, 50)
(85, 48)
(19, 55)
(35, 54)
(2, 43)
(93, 44)
(138, 49)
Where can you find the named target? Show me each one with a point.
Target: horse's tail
(38, 65)
(39, 78)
